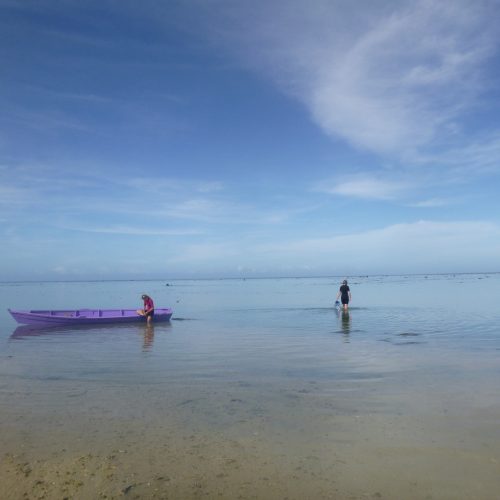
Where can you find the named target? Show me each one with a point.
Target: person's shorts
(344, 300)
(150, 313)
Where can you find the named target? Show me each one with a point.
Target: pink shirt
(148, 304)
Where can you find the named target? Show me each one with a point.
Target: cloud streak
(365, 187)
(427, 246)
(423, 246)
(134, 230)
(70, 199)
(405, 79)
(390, 78)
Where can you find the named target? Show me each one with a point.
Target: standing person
(149, 308)
(344, 294)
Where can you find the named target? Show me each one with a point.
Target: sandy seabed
(234, 448)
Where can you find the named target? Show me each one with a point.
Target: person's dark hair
(345, 282)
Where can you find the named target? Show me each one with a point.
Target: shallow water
(256, 389)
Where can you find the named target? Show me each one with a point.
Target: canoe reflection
(144, 332)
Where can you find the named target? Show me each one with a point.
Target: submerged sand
(238, 442)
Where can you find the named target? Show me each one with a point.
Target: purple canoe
(86, 316)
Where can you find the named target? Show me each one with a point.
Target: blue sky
(230, 138)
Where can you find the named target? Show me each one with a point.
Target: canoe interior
(91, 313)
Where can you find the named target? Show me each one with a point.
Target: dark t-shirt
(344, 289)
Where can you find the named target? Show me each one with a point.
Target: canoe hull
(85, 316)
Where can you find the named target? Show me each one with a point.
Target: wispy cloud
(433, 203)
(81, 193)
(201, 253)
(208, 187)
(403, 82)
(169, 184)
(134, 230)
(365, 187)
(391, 78)
(13, 195)
(43, 120)
(478, 155)
(226, 211)
(424, 245)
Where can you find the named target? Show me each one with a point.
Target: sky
(217, 138)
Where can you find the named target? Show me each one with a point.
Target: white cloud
(365, 187)
(408, 76)
(425, 245)
(432, 203)
(223, 211)
(208, 187)
(14, 195)
(389, 77)
(200, 253)
(134, 230)
(148, 185)
(479, 155)
(67, 200)
(203, 209)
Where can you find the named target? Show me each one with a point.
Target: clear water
(261, 387)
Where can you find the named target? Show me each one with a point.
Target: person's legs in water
(149, 317)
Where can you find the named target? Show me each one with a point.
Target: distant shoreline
(240, 278)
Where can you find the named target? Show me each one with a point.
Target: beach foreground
(252, 400)
(114, 458)
(251, 454)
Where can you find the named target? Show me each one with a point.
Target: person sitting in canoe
(149, 308)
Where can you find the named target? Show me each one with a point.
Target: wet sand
(155, 465)
(238, 441)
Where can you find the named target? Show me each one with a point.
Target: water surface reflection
(344, 321)
(64, 334)
(148, 335)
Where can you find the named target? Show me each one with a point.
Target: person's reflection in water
(149, 335)
(345, 322)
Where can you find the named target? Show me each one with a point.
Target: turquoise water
(344, 405)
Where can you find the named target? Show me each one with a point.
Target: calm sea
(257, 388)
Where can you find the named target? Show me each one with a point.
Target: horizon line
(234, 278)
